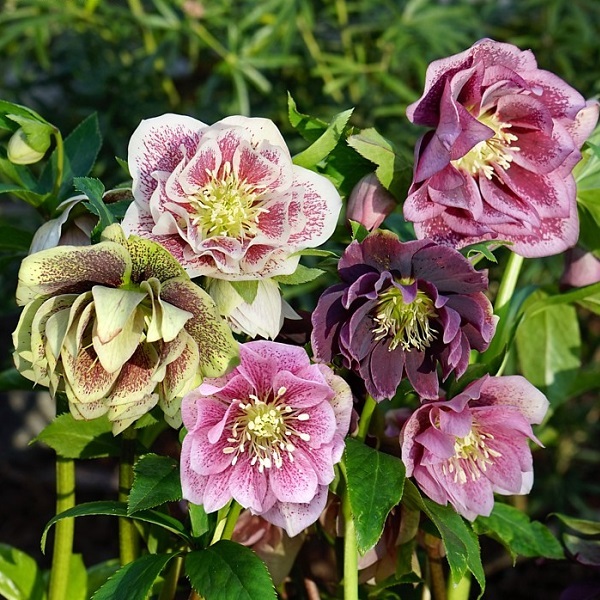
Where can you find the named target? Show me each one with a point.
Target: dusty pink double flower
(463, 450)
(267, 435)
(498, 163)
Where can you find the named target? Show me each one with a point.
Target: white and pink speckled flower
(225, 199)
(267, 435)
(498, 163)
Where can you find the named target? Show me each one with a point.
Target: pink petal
(294, 481)
(320, 426)
(301, 392)
(192, 484)
(207, 458)
(248, 485)
(217, 493)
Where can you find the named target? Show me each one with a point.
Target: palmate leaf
(227, 570)
(156, 481)
(518, 534)
(375, 485)
(134, 580)
(119, 509)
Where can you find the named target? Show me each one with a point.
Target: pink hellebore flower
(267, 435)
(498, 164)
(369, 203)
(226, 199)
(463, 450)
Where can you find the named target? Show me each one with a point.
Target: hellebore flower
(117, 326)
(498, 165)
(464, 449)
(581, 268)
(402, 308)
(369, 203)
(225, 199)
(267, 435)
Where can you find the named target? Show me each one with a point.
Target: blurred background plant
(131, 59)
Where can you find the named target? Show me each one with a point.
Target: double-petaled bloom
(118, 327)
(403, 309)
(267, 435)
(463, 450)
(498, 163)
(226, 199)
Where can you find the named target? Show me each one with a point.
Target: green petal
(21, 337)
(124, 415)
(167, 320)
(150, 259)
(114, 308)
(217, 348)
(72, 270)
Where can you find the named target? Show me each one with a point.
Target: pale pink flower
(369, 203)
(226, 199)
(464, 449)
(498, 163)
(267, 435)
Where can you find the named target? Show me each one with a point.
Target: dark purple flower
(463, 450)
(402, 308)
(498, 164)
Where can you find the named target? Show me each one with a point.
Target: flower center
(472, 455)
(266, 430)
(492, 153)
(226, 206)
(406, 323)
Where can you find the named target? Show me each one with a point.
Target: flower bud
(369, 203)
(20, 151)
(581, 268)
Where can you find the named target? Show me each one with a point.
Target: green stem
(169, 586)
(128, 537)
(63, 540)
(350, 546)
(232, 517)
(461, 590)
(506, 290)
(60, 167)
(365, 418)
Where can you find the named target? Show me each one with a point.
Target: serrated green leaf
(16, 110)
(359, 231)
(323, 146)
(99, 573)
(198, 519)
(118, 509)
(20, 577)
(310, 128)
(375, 486)
(548, 343)
(518, 534)
(227, 570)
(134, 580)
(247, 290)
(301, 275)
(70, 438)
(155, 481)
(94, 190)
(460, 542)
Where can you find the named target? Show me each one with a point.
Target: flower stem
(169, 586)
(350, 547)
(437, 581)
(461, 590)
(63, 540)
(128, 538)
(365, 418)
(232, 517)
(60, 168)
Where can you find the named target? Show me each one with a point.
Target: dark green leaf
(94, 190)
(13, 239)
(8, 109)
(359, 231)
(156, 481)
(134, 580)
(310, 128)
(99, 573)
(375, 485)
(247, 290)
(198, 519)
(228, 570)
(20, 577)
(118, 509)
(70, 438)
(518, 534)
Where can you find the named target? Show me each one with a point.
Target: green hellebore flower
(118, 327)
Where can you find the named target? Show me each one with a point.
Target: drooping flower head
(498, 164)
(403, 308)
(463, 450)
(369, 202)
(225, 199)
(267, 435)
(117, 326)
